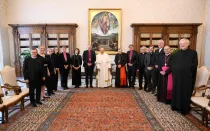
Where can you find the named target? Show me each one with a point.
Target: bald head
(167, 50)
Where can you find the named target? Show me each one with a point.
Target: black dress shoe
(91, 86)
(155, 94)
(53, 93)
(34, 105)
(65, 88)
(86, 87)
(140, 88)
(39, 102)
(184, 113)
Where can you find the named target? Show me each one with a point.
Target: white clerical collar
(33, 57)
(43, 55)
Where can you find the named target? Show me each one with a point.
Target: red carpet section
(102, 109)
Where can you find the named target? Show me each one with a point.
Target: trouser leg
(31, 92)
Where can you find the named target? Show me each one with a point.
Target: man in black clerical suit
(184, 68)
(158, 54)
(132, 58)
(33, 76)
(141, 68)
(149, 63)
(89, 58)
(65, 63)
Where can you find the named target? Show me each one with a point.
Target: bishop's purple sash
(170, 83)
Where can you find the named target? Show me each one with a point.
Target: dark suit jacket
(85, 58)
(148, 59)
(158, 56)
(56, 60)
(33, 69)
(134, 58)
(141, 59)
(64, 62)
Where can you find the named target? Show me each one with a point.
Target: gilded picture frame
(105, 29)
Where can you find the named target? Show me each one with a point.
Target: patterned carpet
(102, 109)
(170, 120)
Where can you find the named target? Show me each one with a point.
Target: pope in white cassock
(103, 66)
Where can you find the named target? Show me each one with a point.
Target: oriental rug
(111, 109)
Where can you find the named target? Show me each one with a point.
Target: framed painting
(104, 29)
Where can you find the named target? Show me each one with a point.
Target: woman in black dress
(55, 57)
(76, 68)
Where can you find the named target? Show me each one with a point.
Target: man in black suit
(33, 76)
(132, 58)
(149, 63)
(65, 61)
(141, 68)
(89, 58)
(158, 54)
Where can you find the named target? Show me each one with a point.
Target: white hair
(143, 47)
(185, 40)
(161, 41)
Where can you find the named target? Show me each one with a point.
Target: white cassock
(103, 64)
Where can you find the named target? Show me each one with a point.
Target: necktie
(130, 56)
(89, 56)
(65, 57)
